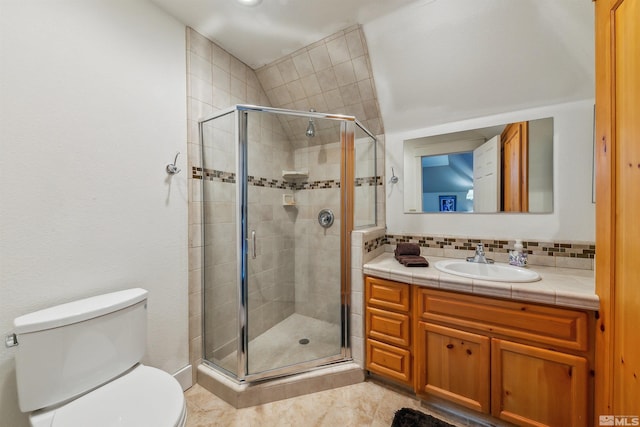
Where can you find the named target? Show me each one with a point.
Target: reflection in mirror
(506, 168)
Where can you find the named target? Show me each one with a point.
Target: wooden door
(618, 207)
(531, 386)
(515, 181)
(453, 365)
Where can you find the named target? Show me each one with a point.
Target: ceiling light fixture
(249, 2)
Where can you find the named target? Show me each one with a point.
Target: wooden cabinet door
(453, 365)
(532, 386)
(617, 205)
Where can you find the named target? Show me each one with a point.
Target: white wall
(92, 108)
(438, 62)
(573, 216)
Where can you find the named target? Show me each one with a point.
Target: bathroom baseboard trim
(184, 377)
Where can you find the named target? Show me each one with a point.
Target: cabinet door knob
(449, 346)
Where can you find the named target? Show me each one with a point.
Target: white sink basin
(491, 272)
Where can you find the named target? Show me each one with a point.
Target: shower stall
(282, 191)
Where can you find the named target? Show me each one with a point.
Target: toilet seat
(145, 396)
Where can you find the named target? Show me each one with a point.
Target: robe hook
(172, 169)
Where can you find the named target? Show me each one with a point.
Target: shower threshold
(244, 395)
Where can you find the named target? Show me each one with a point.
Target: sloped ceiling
(448, 60)
(433, 61)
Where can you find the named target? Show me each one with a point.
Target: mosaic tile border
(551, 249)
(369, 181)
(372, 245)
(230, 177)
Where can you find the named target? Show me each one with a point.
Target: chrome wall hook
(394, 179)
(172, 169)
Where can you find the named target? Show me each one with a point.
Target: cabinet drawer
(547, 325)
(387, 294)
(392, 362)
(389, 327)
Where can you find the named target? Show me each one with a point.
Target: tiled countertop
(564, 287)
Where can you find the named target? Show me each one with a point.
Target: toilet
(78, 364)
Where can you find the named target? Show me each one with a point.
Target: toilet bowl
(144, 396)
(78, 364)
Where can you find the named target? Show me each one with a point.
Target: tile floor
(363, 404)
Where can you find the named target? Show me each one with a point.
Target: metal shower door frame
(347, 138)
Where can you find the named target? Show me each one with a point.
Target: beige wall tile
(320, 58)
(327, 79)
(296, 90)
(288, 70)
(221, 58)
(361, 68)
(199, 44)
(270, 77)
(338, 50)
(302, 62)
(344, 73)
(366, 90)
(310, 85)
(238, 88)
(354, 43)
(199, 67)
(238, 69)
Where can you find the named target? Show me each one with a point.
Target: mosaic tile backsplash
(557, 249)
(549, 253)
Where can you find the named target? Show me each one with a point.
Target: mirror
(504, 168)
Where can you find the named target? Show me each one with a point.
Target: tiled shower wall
(215, 80)
(334, 74)
(317, 248)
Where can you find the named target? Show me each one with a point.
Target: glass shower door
(294, 310)
(219, 242)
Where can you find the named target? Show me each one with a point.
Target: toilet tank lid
(78, 311)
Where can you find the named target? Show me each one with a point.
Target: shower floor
(280, 346)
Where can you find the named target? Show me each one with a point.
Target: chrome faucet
(479, 256)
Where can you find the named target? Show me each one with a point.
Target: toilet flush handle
(11, 340)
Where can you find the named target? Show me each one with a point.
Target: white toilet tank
(69, 349)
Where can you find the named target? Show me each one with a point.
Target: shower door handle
(253, 244)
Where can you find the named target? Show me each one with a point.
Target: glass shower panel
(366, 179)
(293, 263)
(220, 244)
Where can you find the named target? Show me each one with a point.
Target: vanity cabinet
(388, 329)
(524, 363)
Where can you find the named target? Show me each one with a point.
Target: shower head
(311, 129)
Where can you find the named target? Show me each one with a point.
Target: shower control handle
(325, 218)
(253, 242)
